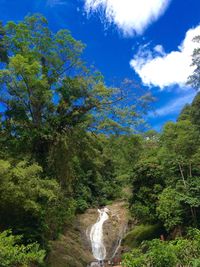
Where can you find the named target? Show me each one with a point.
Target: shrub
(156, 253)
(13, 254)
(140, 233)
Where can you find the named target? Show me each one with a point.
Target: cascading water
(119, 241)
(96, 236)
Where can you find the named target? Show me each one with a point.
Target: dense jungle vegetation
(69, 142)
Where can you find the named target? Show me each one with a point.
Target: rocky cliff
(73, 249)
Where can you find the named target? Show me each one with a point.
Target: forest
(70, 142)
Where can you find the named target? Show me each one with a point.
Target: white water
(96, 236)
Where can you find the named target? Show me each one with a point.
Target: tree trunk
(182, 175)
(190, 168)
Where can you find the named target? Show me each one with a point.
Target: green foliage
(140, 233)
(29, 204)
(124, 151)
(67, 144)
(191, 112)
(157, 253)
(165, 183)
(169, 208)
(134, 259)
(3, 52)
(12, 253)
(57, 129)
(193, 79)
(48, 91)
(180, 139)
(147, 182)
(57, 110)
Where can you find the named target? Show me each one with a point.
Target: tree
(38, 62)
(169, 209)
(3, 51)
(157, 253)
(32, 205)
(125, 151)
(191, 112)
(179, 143)
(180, 156)
(12, 253)
(194, 79)
(147, 183)
(48, 92)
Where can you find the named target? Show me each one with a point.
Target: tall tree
(194, 79)
(3, 51)
(47, 90)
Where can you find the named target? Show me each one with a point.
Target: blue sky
(149, 41)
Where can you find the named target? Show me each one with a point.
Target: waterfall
(119, 241)
(96, 236)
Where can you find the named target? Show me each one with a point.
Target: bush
(140, 233)
(157, 253)
(13, 254)
(169, 208)
(142, 212)
(82, 205)
(31, 204)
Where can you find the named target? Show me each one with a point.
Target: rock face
(115, 228)
(73, 249)
(69, 251)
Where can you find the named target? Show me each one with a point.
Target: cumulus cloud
(130, 16)
(157, 68)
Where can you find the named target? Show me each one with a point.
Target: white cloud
(175, 106)
(161, 69)
(159, 49)
(130, 16)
